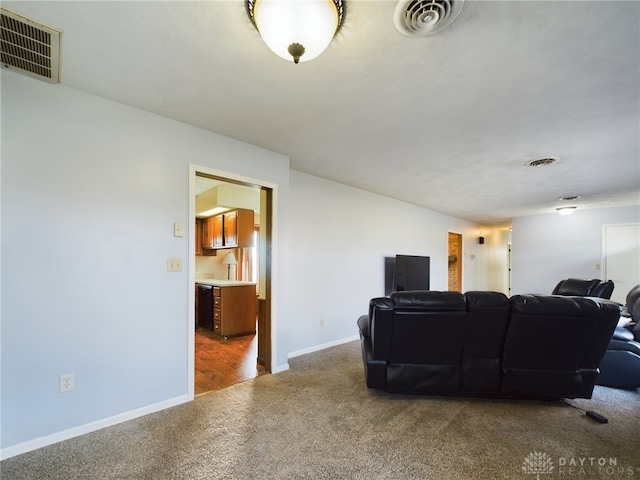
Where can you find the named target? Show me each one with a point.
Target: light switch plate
(174, 265)
(178, 230)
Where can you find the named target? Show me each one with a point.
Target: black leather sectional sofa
(483, 343)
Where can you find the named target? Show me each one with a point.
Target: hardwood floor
(220, 363)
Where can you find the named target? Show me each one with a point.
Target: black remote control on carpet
(597, 417)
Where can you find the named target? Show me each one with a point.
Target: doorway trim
(191, 277)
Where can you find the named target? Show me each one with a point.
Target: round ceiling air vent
(421, 18)
(543, 162)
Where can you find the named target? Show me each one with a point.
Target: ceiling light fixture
(297, 30)
(566, 210)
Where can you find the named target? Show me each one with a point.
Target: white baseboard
(317, 348)
(280, 368)
(40, 442)
(88, 427)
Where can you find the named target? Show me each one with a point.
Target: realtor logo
(538, 463)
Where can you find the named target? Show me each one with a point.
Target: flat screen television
(406, 272)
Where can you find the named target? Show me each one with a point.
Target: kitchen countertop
(222, 283)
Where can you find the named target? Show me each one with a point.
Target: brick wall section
(455, 248)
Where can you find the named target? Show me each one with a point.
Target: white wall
(90, 192)
(549, 248)
(339, 238)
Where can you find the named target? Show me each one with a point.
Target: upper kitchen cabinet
(232, 229)
(238, 228)
(215, 229)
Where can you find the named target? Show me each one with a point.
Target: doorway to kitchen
(455, 262)
(232, 287)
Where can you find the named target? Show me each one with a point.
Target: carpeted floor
(318, 421)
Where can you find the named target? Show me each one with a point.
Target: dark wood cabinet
(238, 228)
(234, 310)
(230, 311)
(217, 231)
(233, 229)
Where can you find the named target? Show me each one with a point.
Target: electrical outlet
(178, 230)
(596, 266)
(174, 265)
(322, 322)
(67, 382)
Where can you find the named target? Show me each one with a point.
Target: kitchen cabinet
(229, 310)
(201, 232)
(232, 229)
(212, 232)
(216, 227)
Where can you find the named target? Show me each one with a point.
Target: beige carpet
(319, 421)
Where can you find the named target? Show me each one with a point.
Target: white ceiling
(446, 122)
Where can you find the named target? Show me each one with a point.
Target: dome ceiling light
(566, 210)
(297, 30)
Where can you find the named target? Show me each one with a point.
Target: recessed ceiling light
(542, 162)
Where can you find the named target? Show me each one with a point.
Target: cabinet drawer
(217, 291)
(217, 302)
(217, 315)
(217, 327)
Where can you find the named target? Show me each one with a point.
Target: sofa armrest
(633, 347)
(363, 326)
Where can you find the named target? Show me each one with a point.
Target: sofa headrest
(565, 306)
(603, 290)
(485, 299)
(440, 301)
(575, 287)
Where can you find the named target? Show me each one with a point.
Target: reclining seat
(413, 341)
(555, 344)
(620, 366)
(584, 288)
(488, 319)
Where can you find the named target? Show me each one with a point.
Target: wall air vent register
(29, 47)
